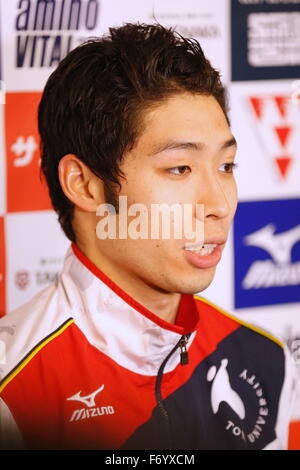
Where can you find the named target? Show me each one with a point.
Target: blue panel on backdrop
(265, 39)
(267, 253)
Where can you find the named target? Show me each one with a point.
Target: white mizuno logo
(88, 400)
(278, 246)
(221, 390)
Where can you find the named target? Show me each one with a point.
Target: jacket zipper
(182, 343)
(184, 357)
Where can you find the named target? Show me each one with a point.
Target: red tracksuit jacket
(88, 367)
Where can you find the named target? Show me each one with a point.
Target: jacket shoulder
(270, 359)
(252, 327)
(27, 329)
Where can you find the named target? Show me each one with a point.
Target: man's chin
(194, 287)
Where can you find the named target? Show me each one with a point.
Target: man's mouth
(205, 255)
(202, 249)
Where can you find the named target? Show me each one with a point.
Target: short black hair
(93, 103)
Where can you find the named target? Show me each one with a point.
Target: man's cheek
(233, 199)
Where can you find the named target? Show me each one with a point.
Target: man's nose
(213, 197)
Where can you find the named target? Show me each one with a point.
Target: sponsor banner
(294, 439)
(26, 191)
(265, 39)
(267, 253)
(2, 163)
(1, 85)
(35, 253)
(268, 138)
(208, 22)
(2, 269)
(291, 335)
(39, 33)
(114, 13)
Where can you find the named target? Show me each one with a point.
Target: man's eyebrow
(198, 146)
(229, 143)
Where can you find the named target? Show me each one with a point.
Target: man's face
(184, 156)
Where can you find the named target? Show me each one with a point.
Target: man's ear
(80, 184)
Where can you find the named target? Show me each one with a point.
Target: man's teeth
(205, 249)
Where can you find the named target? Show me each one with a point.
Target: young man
(119, 353)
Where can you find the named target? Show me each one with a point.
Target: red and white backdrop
(256, 46)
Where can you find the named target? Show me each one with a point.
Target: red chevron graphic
(257, 105)
(283, 164)
(281, 102)
(283, 134)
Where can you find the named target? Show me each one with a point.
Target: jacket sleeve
(10, 435)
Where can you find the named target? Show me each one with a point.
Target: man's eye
(228, 167)
(179, 170)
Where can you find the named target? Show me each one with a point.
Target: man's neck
(163, 304)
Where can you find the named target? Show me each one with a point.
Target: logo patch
(221, 382)
(223, 392)
(25, 191)
(276, 121)
(88, 400)
(265, 39)
(267, 253)
(92, 409)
